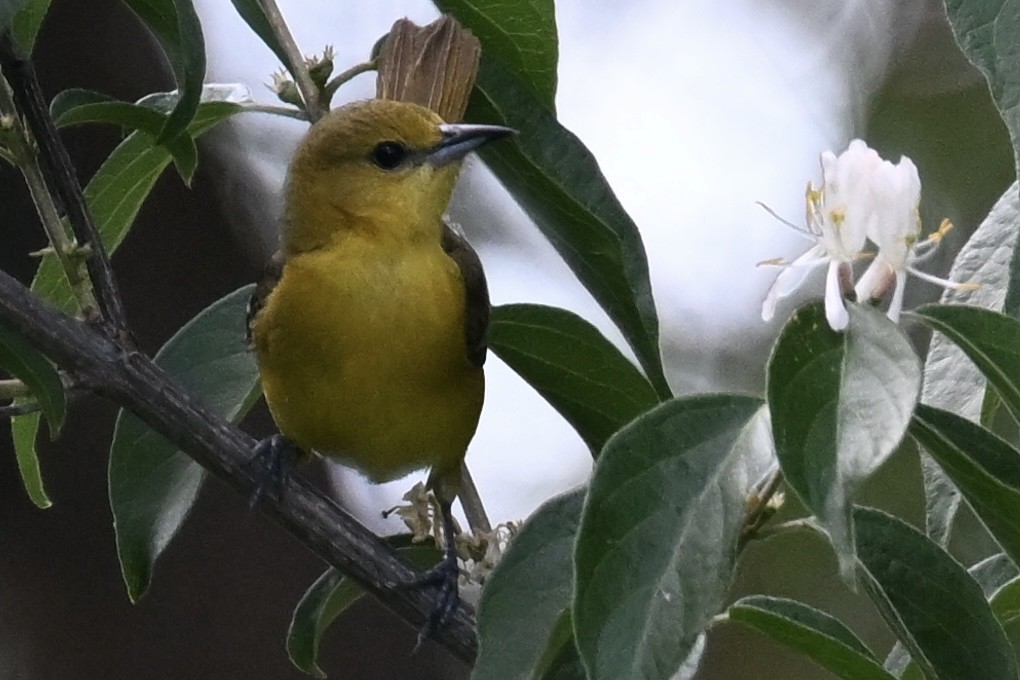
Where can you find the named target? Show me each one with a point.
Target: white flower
(861, 197)
(897, 233)
(839, 216)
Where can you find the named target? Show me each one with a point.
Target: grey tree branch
(63, 181)
(134, 382)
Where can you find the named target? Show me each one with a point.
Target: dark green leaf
(521, 36)
(990, 339)
(840, 404)
(152, 484)
(23, 432)
(932, 604)
(1006, 602)
(176, 26)
(253, 15)
(328, 598)
(658, 537)
(78, 107)
(558, 183)
(984, 467)
(520, 616)
(991, 574)
(8, 9)
(813, 633)
(570, 363)
(23, 361)
(27, 22)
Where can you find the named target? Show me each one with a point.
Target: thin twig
(133, 381)
(63, 181)
(283, 111)
(786, 527)
(759, 511)
(471, 501)
(336, 81)
(297, 67)
(26, 157)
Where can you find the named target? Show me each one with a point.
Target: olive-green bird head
(381, 166)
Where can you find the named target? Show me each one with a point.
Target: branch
(62, 180)
(134, 382)
(298, 67)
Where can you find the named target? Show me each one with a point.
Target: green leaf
(991, 574)
(840, 405)
(984, 467)
(8, 9)
(27, 22)
(1006, 602)
(19, 358)
(813, 633)
(950, 381)
(178, 30)
(117, 190)
(23, 361)
(989, 33)
(76, 106)
(658, 537)
(23, 432)
(573, 366)
(557, 181)
(990, 339)
(319, 607)
(521, 631)
(932, 604)
(253, 15)
(79, 107)
(328, 598)
(152, 484)
(521, 36)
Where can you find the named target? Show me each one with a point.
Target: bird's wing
(476, 325)
(270, 277)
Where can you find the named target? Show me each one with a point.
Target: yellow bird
(369, 326)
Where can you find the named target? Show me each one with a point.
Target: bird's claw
(444, 577)
(272, 460)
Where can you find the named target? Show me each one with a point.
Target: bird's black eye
(389, 155)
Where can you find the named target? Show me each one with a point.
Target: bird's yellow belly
(365, 359)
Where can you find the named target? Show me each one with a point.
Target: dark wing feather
(477, 293)
(270, 277)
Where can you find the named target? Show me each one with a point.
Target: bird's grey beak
(461, 139)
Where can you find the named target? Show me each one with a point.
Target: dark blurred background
(222, 595)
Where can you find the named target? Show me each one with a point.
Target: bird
(369, 324)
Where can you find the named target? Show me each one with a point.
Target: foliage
(625, 577)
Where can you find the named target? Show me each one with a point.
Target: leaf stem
(26, 157)
(297, 67)
(338, 80)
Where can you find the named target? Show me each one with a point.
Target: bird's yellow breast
(363, 356)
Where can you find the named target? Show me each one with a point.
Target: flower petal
(790, 278)
(835, 310)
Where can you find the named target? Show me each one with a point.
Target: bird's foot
(271, 462)
(444, 578)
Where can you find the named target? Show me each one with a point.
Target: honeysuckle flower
(839, 216)
(862, 197)
(897, 234)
